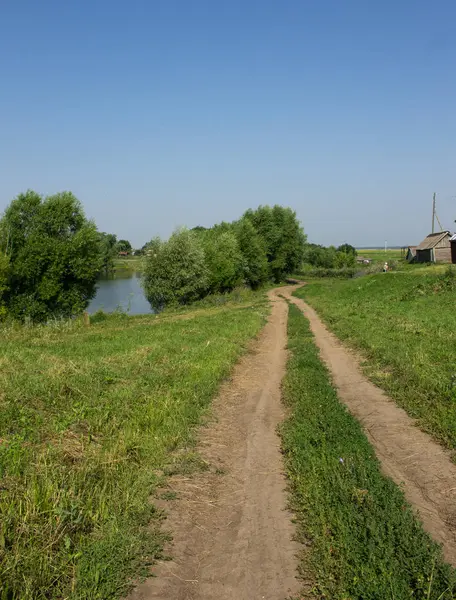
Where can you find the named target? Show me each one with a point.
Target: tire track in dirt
(408, 455)
(232, 534)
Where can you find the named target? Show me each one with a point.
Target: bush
(54, 255)
(176, 271)
(343, 273)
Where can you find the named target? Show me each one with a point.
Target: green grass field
(363, 540)
(405, 327)
(376, 255)
(129, 263)
(91, 418)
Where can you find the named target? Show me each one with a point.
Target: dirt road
(408, 455)
(232, 534)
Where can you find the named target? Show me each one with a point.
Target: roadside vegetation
(91, 419)
(265, 245)
(404, 324)
(363, 539)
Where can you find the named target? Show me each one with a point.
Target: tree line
(51, 256)
(266, 244)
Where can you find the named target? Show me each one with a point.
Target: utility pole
(433, 212)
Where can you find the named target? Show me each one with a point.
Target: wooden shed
(410, 255)
(436, 247)
(453, 249)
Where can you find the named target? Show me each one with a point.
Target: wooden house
(436, 247)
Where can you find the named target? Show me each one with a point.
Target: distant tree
(224, 261)
(124, 246)
(54, 255)
(283, 237)
(320, 256)
(347, 249)
(176, 271)
(108, 250)
(252, 247)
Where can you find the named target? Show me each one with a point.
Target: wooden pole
(433, 212)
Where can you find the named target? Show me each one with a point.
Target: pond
(123, 290)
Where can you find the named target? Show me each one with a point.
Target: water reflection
(123, 290)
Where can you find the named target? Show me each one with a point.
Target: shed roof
(432, 240)
(453, 239)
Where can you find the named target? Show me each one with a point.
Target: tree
(108, 251)
(123, 246)
(4, 282)
(54, 254)
(283, 237)
(224, 261)
(252, 247)
(176, 271)
(347, 249)
(320, 256)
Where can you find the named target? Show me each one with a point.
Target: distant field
(405, 327)
(376, 254)
(130, 263)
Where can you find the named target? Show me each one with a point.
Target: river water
(123, 291)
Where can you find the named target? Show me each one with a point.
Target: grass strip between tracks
(365, 540)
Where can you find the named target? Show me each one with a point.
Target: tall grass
(90, 419)
(365, 542)
(405, 326)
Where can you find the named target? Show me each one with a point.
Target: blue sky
(165, 113)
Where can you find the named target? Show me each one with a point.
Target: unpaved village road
(232, 534)
(408, 455)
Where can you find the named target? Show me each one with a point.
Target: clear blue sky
(177, 112)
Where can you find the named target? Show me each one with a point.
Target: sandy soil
(232, 533)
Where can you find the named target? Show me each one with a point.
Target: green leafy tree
(54, 254)
(176, 270)
(124, 246)
(108, 251)
(224, 261)
(252, 247)
(348, 249)
(283, 237)
(320, 256)
(4, 282)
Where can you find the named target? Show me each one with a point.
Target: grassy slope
(405, 326)
(365, 543)
(90, 417)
